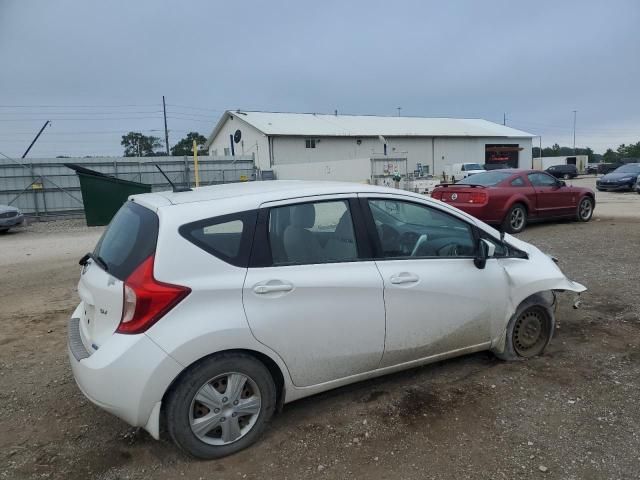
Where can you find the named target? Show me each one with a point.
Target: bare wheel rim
(517, 218)
(585, 209)
(225, 409)
(531, 332)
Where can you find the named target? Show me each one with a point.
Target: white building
(361, 147)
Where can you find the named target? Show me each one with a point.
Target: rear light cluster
(147, 300)
(477, 197)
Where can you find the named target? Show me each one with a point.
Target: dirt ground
(570, 414)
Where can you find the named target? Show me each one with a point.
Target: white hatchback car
(205, 311)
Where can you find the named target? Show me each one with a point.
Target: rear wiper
(96, 258)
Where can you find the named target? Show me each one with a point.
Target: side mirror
(562, 183)
(485, 250)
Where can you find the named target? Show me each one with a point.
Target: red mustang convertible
(511, 198)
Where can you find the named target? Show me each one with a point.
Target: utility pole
(574, 131)
(504, 118)
(166, 132)
(48, 122)
(399, 109)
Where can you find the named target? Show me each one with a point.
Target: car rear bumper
(127, 376)
(486, 213)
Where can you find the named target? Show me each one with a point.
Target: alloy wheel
(586, 209)
(225, 409)
(531, 332)
(517, 219)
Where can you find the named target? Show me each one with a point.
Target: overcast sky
(98, 69)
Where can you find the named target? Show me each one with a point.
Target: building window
(310, 143)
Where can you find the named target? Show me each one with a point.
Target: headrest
(303, 216)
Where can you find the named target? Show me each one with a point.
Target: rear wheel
(220, 405)
(516, 219)
(529, 330)
(585, 209)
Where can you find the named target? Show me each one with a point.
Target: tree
(629, 151)
(185, 146)
(138, 145)
(610, 156)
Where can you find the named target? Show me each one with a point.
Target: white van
(458, 171)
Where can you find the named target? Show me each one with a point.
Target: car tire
(584, 212)
(515, 220)
(530, 329)
(209, 380)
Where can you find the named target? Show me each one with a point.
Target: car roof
(261, 192)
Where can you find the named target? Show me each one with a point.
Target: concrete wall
(436, 153)
(350, 170)
(253, 141)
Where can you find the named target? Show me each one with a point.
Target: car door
(436, 299)
(552, 198)
(311, 294)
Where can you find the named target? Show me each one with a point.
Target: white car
(207, 310)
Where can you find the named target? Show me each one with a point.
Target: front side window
(542, 180)
(408, 229)
(310, 233)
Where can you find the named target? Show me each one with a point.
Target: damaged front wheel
(529, 330)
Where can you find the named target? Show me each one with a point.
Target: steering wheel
(422, 239)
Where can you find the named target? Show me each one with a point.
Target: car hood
(619, 176)
(8, 208)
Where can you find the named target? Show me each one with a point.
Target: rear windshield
(486, 179)
(129, 239)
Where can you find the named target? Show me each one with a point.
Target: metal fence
(45, 187)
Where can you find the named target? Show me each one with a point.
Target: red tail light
(437, 194)
(478, 197)
(147, 300)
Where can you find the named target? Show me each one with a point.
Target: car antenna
(173, 186)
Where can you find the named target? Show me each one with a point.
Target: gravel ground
(570, 414)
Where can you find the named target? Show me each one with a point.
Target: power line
(80, 106)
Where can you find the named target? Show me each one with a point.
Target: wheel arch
(545, 298)
(272, 366)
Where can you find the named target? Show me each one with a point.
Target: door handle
(404, 277)
(280, 287)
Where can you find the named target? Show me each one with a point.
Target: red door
(553, 199)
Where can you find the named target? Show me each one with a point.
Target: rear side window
(227, 237)
(129, 239)
(517, 182)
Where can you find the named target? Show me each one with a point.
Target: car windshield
(487, 179)
(635, 168)
(473, 166)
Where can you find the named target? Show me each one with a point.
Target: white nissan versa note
(206, 310)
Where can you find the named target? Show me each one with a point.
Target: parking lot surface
(571, 414)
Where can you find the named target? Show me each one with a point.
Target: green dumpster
(103, 195)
